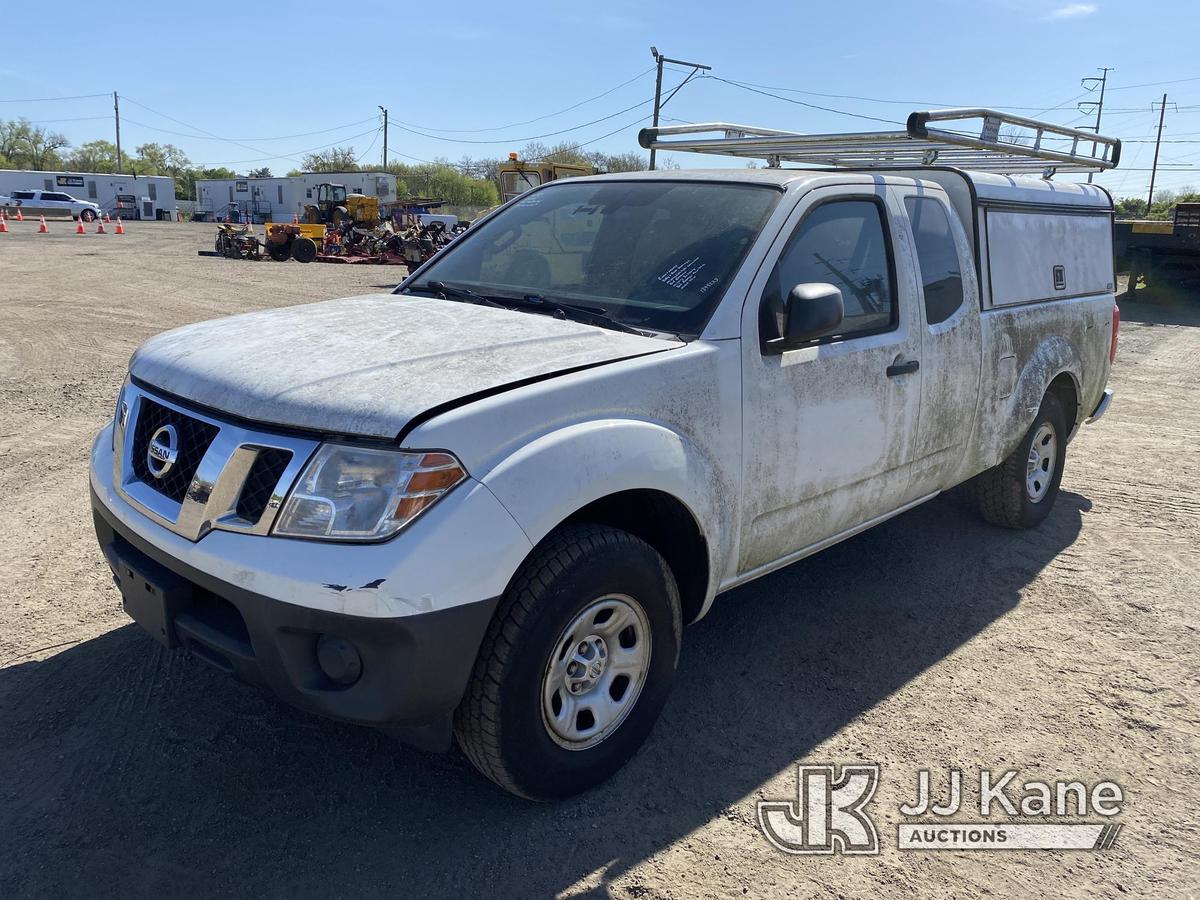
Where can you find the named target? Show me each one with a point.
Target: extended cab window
(937, 255)
(650, 254)
(842, 243)
(22, 195)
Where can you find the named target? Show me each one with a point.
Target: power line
(747, 87)
(48, 99)
(908, 103)
(282, 137)
(1130, 87)
(76, 119)
(590, 142)
(292, 156)
(375, 140)
(518, 140)
(567, 109)
(209, 133)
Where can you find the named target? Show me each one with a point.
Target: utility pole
(1158, 143)
(659, 103)
(117, 117)
(1103, 79)
(384, 138)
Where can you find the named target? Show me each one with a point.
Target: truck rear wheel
(575, 666)
(1020, 492)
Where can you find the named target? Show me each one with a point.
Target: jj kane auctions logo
(829, 814)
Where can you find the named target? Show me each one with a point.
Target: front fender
(549, 479)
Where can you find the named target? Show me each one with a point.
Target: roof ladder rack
(985, 140)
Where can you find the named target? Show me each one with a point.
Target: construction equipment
(334, 206)
(517, 175)
(299, 242)
(234, 242)
(1160, 253)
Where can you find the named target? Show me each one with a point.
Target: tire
(554, 607)
(304, 250)
(1012, 495)
(88, 215)
(279, 252)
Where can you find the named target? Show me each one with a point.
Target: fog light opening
(339, 660)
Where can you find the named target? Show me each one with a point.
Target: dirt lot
(933, 641)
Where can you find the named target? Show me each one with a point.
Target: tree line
(465, 182)
(1163, 207)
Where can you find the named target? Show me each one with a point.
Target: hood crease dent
(368, 365)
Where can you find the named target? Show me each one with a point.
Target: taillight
(1112, 350)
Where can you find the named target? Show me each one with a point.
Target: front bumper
(415, 608)
(414, 668)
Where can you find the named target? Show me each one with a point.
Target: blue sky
(267, 84)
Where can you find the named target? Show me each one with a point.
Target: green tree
(93, 156)
(1163, 208)
(264, 172)
(335, 159)
(28, 147)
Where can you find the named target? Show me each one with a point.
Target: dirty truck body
(486, 504)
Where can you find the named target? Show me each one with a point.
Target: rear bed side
(1047, 290)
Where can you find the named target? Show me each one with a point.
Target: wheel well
(668, 526)
(1063, 387)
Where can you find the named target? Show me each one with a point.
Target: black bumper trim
(414, 668)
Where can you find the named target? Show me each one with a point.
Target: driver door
(828, 426)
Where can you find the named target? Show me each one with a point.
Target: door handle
(904, 368)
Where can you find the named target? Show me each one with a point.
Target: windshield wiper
(592, 315)
(448, 292)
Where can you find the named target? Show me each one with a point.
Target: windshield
(514, 183)
(651, 254)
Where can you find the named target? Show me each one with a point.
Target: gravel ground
(933, 641)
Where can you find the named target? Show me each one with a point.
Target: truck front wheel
(575, 666)
(1020, 492)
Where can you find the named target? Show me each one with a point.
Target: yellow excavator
(334, 206)
(517, 176)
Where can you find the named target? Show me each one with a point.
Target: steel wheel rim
(596, 672)
(1043, 457)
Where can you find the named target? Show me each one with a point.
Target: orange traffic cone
(107, 219)
(3, 225)
(295, 219)
(20, 218)
(120, 227)
(100, 227)
(79, 227)
(42, 229)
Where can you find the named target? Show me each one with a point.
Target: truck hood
(368, 365)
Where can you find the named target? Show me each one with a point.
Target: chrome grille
(226, 477)
(261, 482)
(195, 437)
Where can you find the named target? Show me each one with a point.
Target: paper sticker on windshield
(530, 200)
(681, 275)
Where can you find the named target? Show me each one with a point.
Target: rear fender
(1052, 357)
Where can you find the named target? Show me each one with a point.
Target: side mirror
(810, 310)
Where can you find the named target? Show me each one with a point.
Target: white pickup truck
(52, 202)
(485, 505)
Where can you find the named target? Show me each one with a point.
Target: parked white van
(485, 505)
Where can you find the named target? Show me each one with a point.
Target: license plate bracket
(152, 595)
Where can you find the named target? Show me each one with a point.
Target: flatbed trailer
(1161, 252)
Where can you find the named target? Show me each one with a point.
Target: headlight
(349, 493)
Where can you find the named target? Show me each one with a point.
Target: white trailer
(278, 199)
(131, 196)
